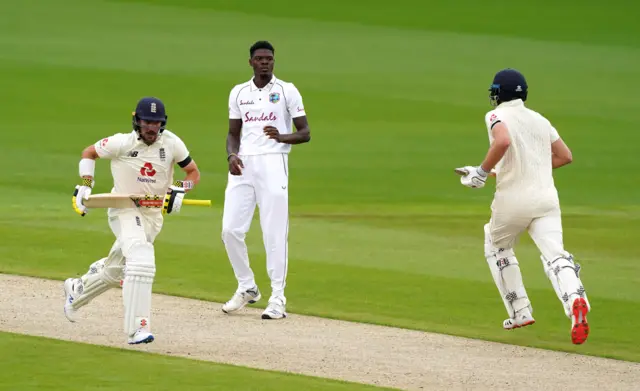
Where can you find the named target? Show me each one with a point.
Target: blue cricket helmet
(508, 84)
(149, 109)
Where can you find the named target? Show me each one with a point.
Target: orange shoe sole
(580, 329)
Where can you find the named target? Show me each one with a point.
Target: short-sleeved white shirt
(276, 104)
(138, 168)
(525, 171)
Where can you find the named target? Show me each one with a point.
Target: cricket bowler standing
(260, 136)
(524, 150)
(142, 162)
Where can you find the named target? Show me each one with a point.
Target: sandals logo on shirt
(274, 97)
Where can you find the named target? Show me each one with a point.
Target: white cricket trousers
(264, 182)
(543, 225)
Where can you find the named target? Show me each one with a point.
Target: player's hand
(272, 133)
(235, 165)
(173, 200)
(473, 177)
(81, 193)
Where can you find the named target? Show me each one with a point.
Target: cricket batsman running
(524, 150)
(142, 162)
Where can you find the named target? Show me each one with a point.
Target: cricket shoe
(141, 336)
(522, 319)
(69, 292)
(275, 309)
(579, 325)
(240, 299)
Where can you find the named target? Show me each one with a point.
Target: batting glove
(173, 200)
(473, 177)
(81, 193)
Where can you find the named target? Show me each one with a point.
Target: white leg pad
(564, 275)
(97, 280)
(139, 273)
(508, 278)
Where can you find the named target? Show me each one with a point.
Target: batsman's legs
(239, 207)
(501, 234)
(102, 275)
(563, 273)
(273, 202)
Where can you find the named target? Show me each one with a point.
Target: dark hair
(261, 45)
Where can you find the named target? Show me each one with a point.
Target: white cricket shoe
(275, 309)
(141, 336)
(579, 325)
(523, 318)
(69, 311)
(240, 299)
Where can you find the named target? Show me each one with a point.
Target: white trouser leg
(239, 207)
(558, 264)
(272, 194)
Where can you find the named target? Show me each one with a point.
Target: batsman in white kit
(142, 162)
(524, 150)
(261, 112)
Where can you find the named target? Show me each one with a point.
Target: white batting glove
(81, 193)
(173, 200)
(473, 177)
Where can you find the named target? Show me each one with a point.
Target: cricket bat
(463, 172)
(122, 201)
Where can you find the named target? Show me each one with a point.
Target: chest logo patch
(274, 97)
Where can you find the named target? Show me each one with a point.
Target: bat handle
(196, 202)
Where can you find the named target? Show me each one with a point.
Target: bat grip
(196, 202)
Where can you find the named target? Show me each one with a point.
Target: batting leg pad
(101, 277)
(564, 275)
(508, 278)
(136, 294)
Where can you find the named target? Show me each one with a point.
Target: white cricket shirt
(525, 171)
(138, 168)
(276, 104)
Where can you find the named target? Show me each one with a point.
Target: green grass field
(381, 229)
(74, 366)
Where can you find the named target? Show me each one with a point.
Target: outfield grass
(381, 230)
(75, 366)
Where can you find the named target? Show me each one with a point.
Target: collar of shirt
(512, 103)
(159, 140)
(268, 86)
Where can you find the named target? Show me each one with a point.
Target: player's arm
(107, 148)
(499, 146)
(233, 146)
(301, 135)
(233, 135)
(560, 154)
(295, 107)
(192, 177)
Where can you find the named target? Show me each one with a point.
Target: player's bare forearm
(559, 161)
(495, 153)
(302, 134)
(233, 137)
(299, 137)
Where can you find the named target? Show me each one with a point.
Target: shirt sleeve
(181, 153)
(109, 147)
(491, 119)
(234, 109)
(555, 136)
(294, 102)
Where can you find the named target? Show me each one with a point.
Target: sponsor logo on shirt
(262, 118)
